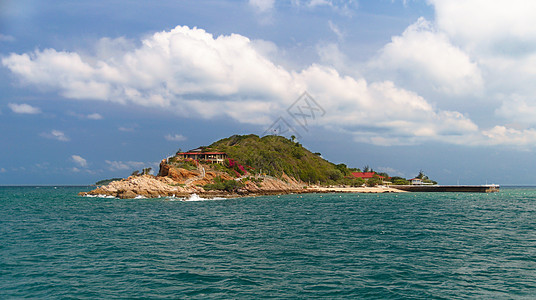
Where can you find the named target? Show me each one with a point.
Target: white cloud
(335, 30)
(175, 137)
(425, 56)
(6, 38)
(391, 171)
(79, 160)
(3, 170)
(314, 3)
(502, 135)
(94, 116)
(489, 25)
(124, 165)
(519, 109)
(193, 73)
(24, 108)
(55, 135)
(262, 5)
(126, 129)
(342, 6)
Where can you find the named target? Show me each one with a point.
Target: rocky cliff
(180, 182)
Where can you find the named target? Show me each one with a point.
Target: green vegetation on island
(247, 165)
(106, 181)
(275, 155)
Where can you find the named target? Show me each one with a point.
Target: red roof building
(366, 175)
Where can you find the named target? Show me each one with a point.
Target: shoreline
(357, 190)
(230, 195)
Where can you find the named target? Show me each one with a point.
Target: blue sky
(97, 89)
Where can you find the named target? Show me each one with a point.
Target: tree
(367, 169)
(421, 175)
(358, 182)
(343, 168)
(385, 175)
(135, 173)
(399, 181)
(146, 171)
(374, 181)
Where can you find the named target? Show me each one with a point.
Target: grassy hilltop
(275, 155)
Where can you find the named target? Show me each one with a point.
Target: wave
(101, 196)
(193, 198)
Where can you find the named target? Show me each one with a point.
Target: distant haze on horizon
(97, 89)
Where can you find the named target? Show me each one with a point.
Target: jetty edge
(249, 165)
(487, 188)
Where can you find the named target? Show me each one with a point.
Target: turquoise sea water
(54, 244)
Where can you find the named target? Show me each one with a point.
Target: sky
(97, 89)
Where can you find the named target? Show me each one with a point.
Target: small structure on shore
(213, 157)
(416, 181)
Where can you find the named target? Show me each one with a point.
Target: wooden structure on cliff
(213, 157)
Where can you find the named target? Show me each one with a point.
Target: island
(249, 165)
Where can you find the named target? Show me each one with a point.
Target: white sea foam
(193, 197)
(100, 196)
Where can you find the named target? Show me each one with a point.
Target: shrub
(224, 185)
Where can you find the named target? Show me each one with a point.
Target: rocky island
(242, 166)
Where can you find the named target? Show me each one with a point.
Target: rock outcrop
(172, 181)
(145, 185)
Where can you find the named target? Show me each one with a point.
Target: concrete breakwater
(450, 188)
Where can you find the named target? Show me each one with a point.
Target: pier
(492, 188)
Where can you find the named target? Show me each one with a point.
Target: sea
(57, 245)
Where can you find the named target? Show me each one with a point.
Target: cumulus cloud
(24, 108)
(499, 36)
(79, 160)
(502, 135)
(94, 116)
(175, 137)
(489, 25)
(344, 7)
(124, 165)
(391, 171)
(427, 57)
(55, 135)
(193, 73)
(262, 5)
(517, 108)
(6, 38)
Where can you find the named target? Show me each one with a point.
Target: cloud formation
(24, 108)
(262, 5)
(6, 38)
(195, 74)
(187, 70)
(426, 56)
(79, 160)
(492, 26)
(55, 135)
(124, 165)
(94, 116)
(175, 137)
